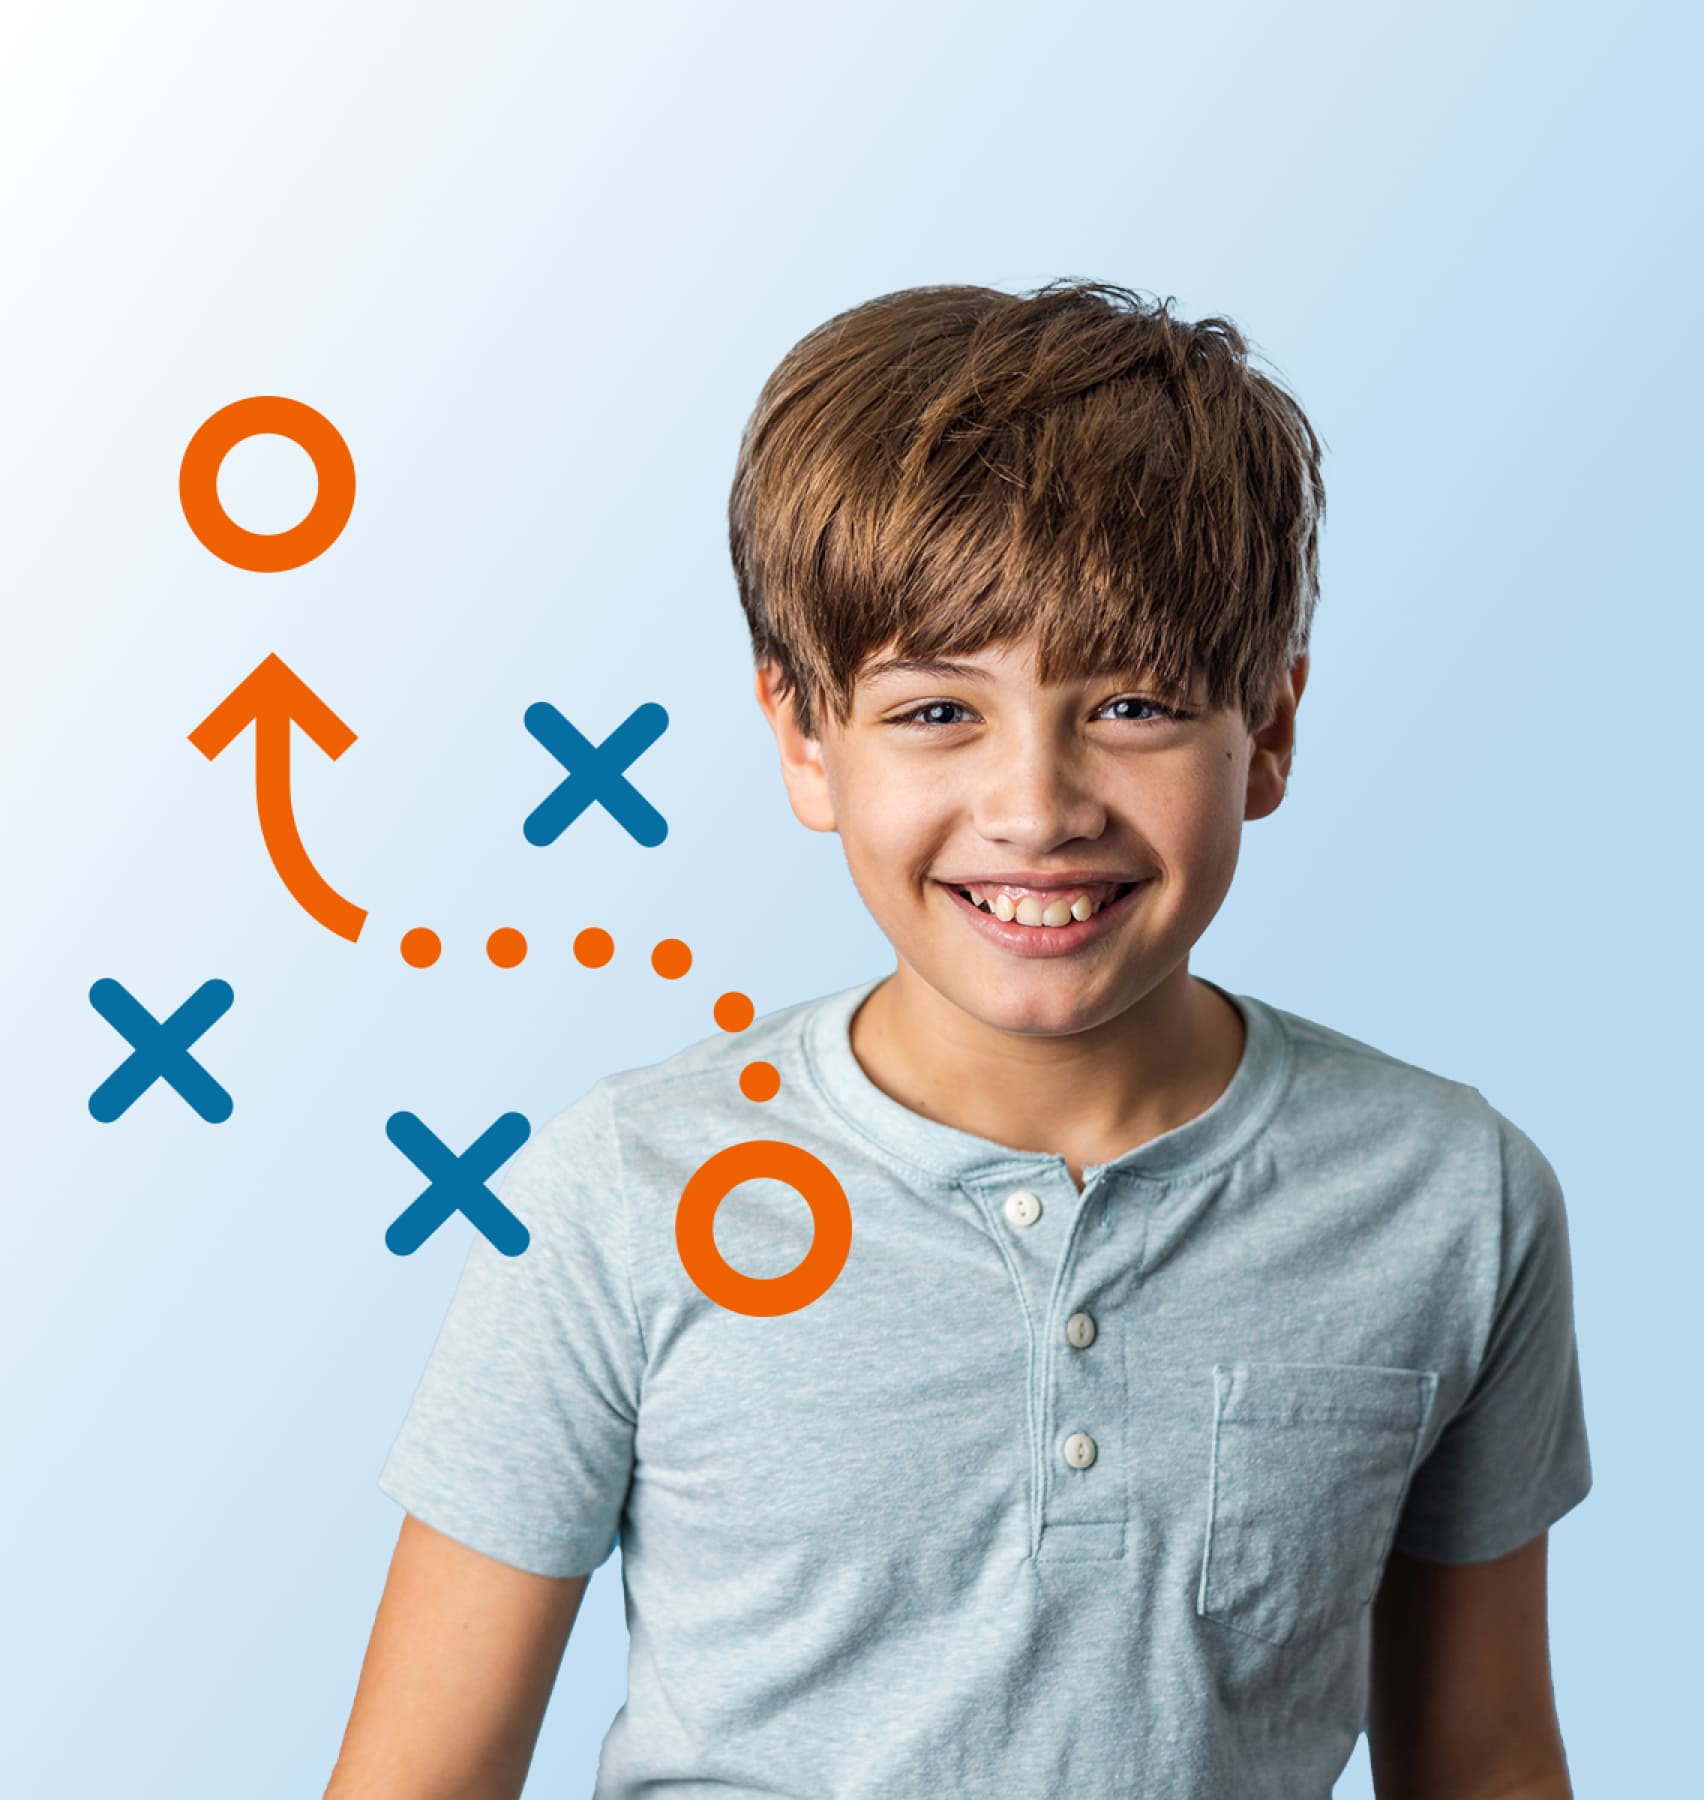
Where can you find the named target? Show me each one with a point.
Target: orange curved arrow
(271, 697)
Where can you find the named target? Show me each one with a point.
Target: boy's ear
(1272, 748)
(801, 757)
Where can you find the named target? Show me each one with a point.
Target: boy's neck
(1087, 1098)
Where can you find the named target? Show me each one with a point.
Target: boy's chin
(1029, 1001)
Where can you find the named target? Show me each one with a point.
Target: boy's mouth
(1043, 939)
(1048, 908)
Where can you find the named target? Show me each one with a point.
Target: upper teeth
(1027, 909)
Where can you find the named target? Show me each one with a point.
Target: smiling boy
(1201, 1382)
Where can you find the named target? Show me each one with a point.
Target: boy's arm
(463, 1654)
(1461, 1702)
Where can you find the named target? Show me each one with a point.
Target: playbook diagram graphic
(272, 699)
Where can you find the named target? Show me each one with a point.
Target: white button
(1023, 1208)
(1079, 1449)
(1080, 1329)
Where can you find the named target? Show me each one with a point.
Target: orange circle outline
(267, 552)
(757, 1296)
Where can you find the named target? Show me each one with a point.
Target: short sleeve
(519, 1439)
(1514, 1457)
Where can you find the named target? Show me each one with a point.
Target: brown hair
(944, 468)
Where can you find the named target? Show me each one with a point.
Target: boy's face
(996, 776)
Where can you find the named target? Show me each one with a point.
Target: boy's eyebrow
(936, 665)
(924, 665)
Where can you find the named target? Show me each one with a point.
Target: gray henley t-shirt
(1050, 1493)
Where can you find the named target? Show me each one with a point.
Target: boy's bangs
(945, 470)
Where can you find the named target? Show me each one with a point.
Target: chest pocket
(1310, 1465)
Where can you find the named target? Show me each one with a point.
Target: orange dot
(671, 959)
(593, 947)
(760, 1081)
(732, 1011)
(421, 947)
(506, 947)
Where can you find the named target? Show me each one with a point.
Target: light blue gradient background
(535, 262)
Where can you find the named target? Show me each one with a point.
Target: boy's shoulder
(1353, 1092)
(1324, 1052)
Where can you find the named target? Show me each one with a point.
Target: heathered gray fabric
(1332, 1313)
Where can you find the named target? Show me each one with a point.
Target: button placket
(1086, 1508)
(1076, 1409)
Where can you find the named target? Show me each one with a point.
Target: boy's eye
(914, 717)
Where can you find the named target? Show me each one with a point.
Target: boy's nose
(1038, 799)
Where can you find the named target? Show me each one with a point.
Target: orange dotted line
(671, 958)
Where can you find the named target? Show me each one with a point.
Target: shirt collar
(947, 1154)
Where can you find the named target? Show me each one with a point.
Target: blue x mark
(457, 1183)
(595, 772)
(160, 1050)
